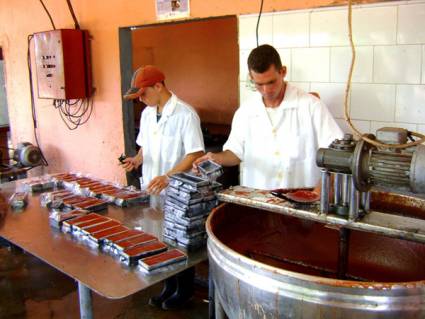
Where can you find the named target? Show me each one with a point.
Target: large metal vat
(268, 265)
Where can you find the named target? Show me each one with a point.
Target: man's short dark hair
(262, 57)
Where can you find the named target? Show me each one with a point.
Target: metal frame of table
(94, 270)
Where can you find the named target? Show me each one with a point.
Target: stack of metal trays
(188, 203)
(210, 170)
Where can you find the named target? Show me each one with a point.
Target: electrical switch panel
(63, 64)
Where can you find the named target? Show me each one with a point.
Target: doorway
(4, 115)
(200, 59)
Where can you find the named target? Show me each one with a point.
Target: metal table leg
(211, 305)
(84, 294)
(219, 311)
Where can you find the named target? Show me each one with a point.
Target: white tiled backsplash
(388, 83)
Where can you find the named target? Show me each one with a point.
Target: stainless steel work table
(94, 270)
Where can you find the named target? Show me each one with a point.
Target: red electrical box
(63, 64)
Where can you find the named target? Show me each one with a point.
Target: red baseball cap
(142, 78)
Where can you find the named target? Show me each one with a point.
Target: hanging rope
(347, 92)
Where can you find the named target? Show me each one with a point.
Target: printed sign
(172, 9)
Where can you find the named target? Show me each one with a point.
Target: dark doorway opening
(4, 114)
(200, 59)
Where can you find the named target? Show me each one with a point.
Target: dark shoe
(184, 290)
(169, 289)
(177, 300)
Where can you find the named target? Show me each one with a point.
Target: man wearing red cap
(170, 139)
(170, 136)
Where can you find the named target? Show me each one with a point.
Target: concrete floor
(29, 288)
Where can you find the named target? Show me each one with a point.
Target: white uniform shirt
(281, 155)
(167, 142)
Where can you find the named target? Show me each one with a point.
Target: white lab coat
(283, 156)
(167, 142)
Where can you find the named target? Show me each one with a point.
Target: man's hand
(131, 163)
(225, 158)
(157, 185)
(209, 156)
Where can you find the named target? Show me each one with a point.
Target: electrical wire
(347, 92)
(50, 17)
(258, 21)
(74, 113)
(77, 25)
(34, 115)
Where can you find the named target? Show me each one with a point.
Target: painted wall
(94, 147)
(388, 84)
(200, 60)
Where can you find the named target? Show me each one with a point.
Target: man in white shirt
(170, 139)
(276, 134)
(170, 136)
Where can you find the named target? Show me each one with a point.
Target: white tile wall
(333, 94)
(310, 64)
(243, 68)
(305, 86)
(245, 92)
(362, 126)
(421, 129)
(290, 30)
(397, 64)
(373, 102)
(411, 24)
(328, 28)
(410, 104)
(341, 61)
(388, 84)
(423, 65)
(286, 57)
(375, 25)
(247, 28)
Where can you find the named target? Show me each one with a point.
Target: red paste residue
(303, 196)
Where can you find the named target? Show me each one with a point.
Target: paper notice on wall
(172, 9)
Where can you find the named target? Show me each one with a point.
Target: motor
(27, 155)
(357, 166)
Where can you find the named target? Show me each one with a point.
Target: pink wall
(94, 147)
(200, 60)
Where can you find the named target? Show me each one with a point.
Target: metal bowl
(267, 265)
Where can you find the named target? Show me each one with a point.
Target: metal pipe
(366, 201)
(324, 195)
(84, 294)
(353, 212)
(211, 299)
(337, 189)
(345, 189)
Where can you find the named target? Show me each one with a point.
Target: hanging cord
(77, 25)
(33, 113)
(347, 91)
(74, 113)
(258, 21)
(50, 17)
